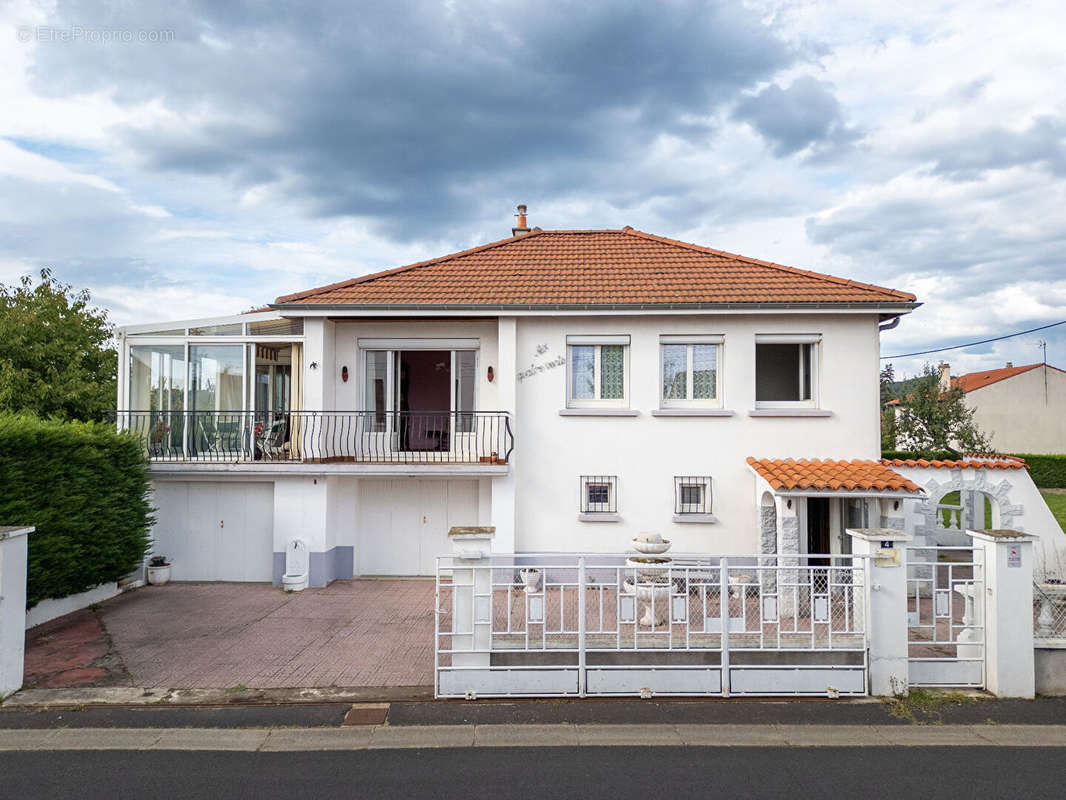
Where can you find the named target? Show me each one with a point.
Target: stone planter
(158, 576)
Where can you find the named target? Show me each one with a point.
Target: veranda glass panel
(583, 372)
(612, 367)
(704, 371)
(674, 357)
(157, 378)
(377, 382)
(216, 386)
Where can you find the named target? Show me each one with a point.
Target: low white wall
(47, 610)
(1050, 664)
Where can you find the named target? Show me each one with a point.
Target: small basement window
(692, 494)
(599, 494)
(785, 373)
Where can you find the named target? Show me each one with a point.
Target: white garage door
(216, 531)
(403, 524)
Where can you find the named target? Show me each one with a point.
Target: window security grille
(692, 494)
(599, 494)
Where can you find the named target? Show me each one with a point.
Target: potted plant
(531, 579)
(158, 570)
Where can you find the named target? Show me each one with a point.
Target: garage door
(216, 531)
(403, 524)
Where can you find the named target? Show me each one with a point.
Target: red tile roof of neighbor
(831, 476)
(600, 267)
(979, 380)
(966, 462)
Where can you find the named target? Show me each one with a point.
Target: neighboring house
(1021, 409)
(570, 388)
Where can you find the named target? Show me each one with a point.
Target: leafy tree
(931, 419)
(56, 352)
(888, 413)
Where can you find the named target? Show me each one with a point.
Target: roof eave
(894, 308)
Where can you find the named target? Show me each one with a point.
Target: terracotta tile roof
(979, 380)
(966, 462)
(831, 476)
(604, 267)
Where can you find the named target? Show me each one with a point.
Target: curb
(491, 736)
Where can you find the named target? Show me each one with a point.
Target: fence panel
(612, 624)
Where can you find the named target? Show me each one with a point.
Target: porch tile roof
(831, 476)
(968, 461)
(593, 267)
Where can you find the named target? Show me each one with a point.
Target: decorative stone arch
(969, 480)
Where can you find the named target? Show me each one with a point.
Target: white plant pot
(651, 548)
(158, 576)
(531, 578)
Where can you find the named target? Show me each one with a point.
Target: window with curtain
(689, 374)
(598, 374)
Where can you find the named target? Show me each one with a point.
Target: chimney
(945, 376)
(1010, 365)
(522, 227)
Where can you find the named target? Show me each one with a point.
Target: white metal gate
(945, 616)
(595, 624)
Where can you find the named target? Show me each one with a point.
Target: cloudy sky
(187, 158)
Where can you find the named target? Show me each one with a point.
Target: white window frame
(812, 339)
(588, 507)
(597, 342)
(702, 481)
(688, 342)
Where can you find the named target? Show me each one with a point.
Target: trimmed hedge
(905, 454)
(85, 488)
(1047, 472)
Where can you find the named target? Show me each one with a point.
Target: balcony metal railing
(322, 437)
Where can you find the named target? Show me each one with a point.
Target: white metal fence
(1049, 615)
(609, 624)
(945, 616)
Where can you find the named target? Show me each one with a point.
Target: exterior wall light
(313, 365)
(344, 374)
(490, 374)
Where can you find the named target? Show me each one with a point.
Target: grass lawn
(1057, 504)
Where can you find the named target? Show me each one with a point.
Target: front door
(818, 529)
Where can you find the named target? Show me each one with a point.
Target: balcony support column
(503, 487)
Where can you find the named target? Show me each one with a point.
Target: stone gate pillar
(13, 548)
(1008, 567)
(886, 606)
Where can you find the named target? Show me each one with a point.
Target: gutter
(900, 308)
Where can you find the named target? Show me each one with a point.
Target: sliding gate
(577, 625)
(945, 616)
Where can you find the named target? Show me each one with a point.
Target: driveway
(354, 633)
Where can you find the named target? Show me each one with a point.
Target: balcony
(321, 437)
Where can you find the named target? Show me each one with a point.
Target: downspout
(889, 325)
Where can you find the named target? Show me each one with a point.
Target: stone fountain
(651, 578)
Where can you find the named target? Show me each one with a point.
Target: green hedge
(1047, 472)
(85, 489)
(904, 454)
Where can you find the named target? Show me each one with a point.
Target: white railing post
(581, 625)
(723, 582)
(14, 543)
(472, 598)
(886, 606)
(1008, 574)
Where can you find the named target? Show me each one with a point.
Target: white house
(1021, 409)
(571, 388)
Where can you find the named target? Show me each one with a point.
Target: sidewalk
(478, 736)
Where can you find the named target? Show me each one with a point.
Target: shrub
(85, 488)
(907, 454)
(1047, 472)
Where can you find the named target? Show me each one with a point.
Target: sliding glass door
(418, 400)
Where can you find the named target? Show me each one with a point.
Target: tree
(56, 353)
(932, 419)
(888, 413)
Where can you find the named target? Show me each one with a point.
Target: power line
(974, 344)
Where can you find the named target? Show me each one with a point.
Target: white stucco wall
(646, 452)
(1017, 414)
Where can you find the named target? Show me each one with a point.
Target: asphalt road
(593, 773)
